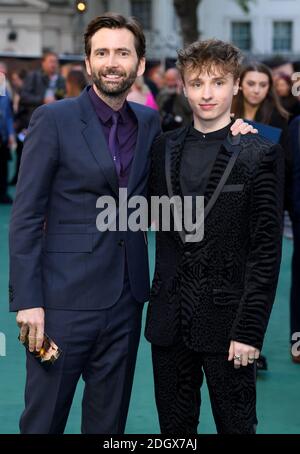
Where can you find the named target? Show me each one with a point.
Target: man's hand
(242, 127)
(31, 322)
(242, 354)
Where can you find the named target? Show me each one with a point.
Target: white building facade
(27, 27)
(30, 26)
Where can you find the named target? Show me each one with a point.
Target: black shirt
(199, 154)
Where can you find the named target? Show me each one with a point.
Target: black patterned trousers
(178, 376)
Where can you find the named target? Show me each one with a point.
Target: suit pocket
(69, 243)
(227, 297)
(233, 187)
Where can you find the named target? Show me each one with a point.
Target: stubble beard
(114, 90)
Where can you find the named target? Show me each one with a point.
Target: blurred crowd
(266, 96)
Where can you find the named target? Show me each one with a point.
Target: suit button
(187, 254)
(121, 243)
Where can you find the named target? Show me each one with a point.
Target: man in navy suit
(85, 288)
(66, 278)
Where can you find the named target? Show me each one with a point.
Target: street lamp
(81, 6)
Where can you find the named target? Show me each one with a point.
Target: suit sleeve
(263, 262)
(38, 166)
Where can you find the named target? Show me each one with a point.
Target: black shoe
(6, 200)
(261, 363)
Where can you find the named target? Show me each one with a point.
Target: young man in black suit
(211, 300)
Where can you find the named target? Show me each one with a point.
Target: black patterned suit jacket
(223, 287)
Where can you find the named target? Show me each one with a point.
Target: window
(241, 35)
(282, 36)
(142, 10)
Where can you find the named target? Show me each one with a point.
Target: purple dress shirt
(127, 132)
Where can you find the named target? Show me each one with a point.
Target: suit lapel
(94, 137)
(220, 165)
(221, 169)
(174, 147)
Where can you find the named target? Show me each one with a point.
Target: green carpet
(278, 398)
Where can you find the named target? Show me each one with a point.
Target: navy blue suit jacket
(58, 258)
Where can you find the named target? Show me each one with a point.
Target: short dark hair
(208, 54)
(49, 53)
(113, 21)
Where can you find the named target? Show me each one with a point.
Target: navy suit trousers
(101, 346)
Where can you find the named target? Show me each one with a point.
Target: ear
(184, 90)
(88, 66)
(141, 67)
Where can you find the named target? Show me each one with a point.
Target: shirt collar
(104, 111)
(211, 136)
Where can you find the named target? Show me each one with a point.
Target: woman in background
(257, 101)
(75, 83)
(283, 86)
(141, 94)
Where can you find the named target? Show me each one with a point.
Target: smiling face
(113, 62)
(255, 87)
(210, 96)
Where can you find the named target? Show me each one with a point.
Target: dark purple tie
(113, 142)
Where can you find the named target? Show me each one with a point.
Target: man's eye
(220, 82)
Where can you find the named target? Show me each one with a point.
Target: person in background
(42, 86)
(17, 81)
(75, 83)
(174, 108)
(283, 86)
(154, 77)
(7, 143)
(258, 101)
(3, 71)
(141, 94)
